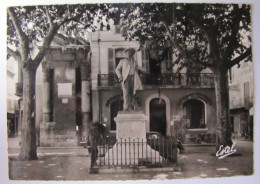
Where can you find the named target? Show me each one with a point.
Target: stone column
(85, 97)
(46, 94)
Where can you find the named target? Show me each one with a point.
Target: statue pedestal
(131, 147)
(130, 125)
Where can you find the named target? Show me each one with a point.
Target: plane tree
(215, 36)
(36, 26)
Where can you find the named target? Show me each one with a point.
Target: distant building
(12, 100)
(241, 97)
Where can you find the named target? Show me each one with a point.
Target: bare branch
(199, 25)
(50, 36)
(16, 22)
(48, 15)
(209, 33)
(68, 12)
(67, 19)
(235, 28)
(23, 39)
(173, 39)
(14, 54)
(46, 45)
(238, 59)
(38, 59)
(176, 43)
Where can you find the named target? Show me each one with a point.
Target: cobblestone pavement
(73, 164)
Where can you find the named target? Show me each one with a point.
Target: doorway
(158, 116)
(155, 67)
(114, 108)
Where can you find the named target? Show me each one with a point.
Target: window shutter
(117, 29)
(111, 60)
(169, 61)
(145, 59)
(246, 94)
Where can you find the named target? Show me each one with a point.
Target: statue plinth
(131, 147)
(130, 125)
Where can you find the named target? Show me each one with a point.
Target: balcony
(164, 79)
(242, 102)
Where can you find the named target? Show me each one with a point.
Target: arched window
(194, 112)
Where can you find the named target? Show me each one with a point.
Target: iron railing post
(125, 151)
(121, 153)
(138, 151)
(142, 149)
(129, 151)
(116, 153)
(134, 149)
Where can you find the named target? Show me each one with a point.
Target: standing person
(96, 136)
(127, 73)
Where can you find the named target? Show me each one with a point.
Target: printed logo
(225, 151)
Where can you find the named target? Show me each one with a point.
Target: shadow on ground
(196, 162)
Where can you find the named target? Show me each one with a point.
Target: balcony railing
(127, 153)
(171, 79)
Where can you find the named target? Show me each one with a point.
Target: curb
(197, 145)
(76, 147)
(96, 170)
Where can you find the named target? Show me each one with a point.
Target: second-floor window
(114, 57)
(119, 29)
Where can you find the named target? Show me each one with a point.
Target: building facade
(241, 94)
(167, 96)
(67, 96)
(12, 99)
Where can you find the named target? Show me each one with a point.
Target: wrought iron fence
(181, 79)
(124, 153)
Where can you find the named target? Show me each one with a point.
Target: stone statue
(127, 73)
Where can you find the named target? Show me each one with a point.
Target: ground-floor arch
(115, 107)
(158, 113)
(157, 109)
(194, 111)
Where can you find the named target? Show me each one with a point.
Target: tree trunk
(28, 149)
(222, 106)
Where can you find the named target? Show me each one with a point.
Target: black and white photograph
(133, 91)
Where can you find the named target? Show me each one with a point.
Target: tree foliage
(37, 25)
(215, 36)
(195, 32)
(31, 26)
